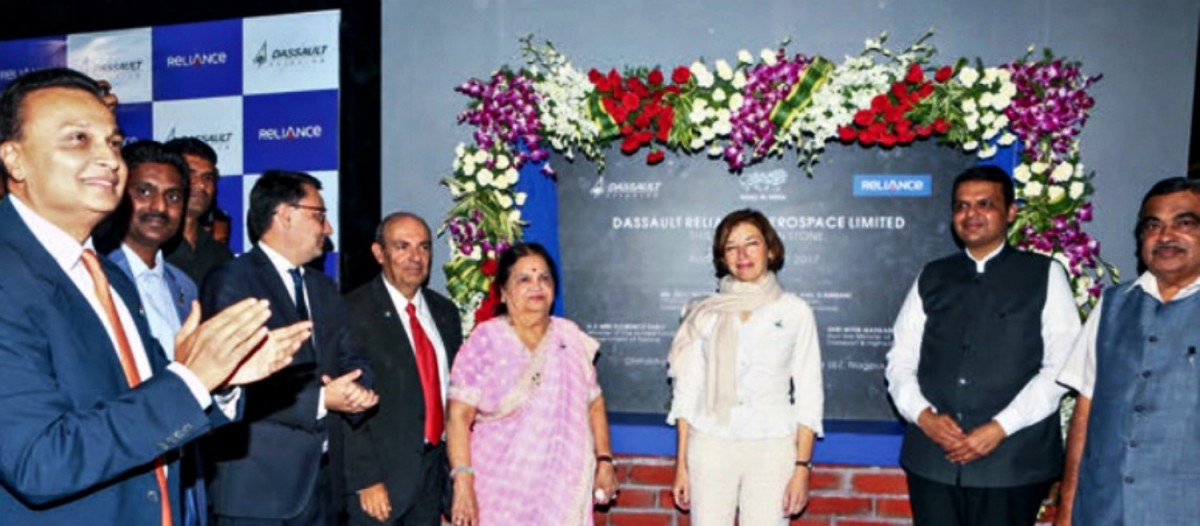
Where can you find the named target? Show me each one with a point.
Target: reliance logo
(197, 59)
(290, 133)
(893, 185)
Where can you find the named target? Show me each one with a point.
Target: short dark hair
(508, 259)
(142, 152)
(273, 188)
(193, 146)
(989, 174)
(1166, 186)
(12, 99)
(395, 216)
(775, 251)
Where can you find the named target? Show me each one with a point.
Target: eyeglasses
(320, 210)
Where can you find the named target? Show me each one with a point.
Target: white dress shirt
(156, 297)
(1079, 372)
(1041, 394)
(425, 318)
(777, 348)
(67, 252)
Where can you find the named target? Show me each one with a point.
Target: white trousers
(730, 475)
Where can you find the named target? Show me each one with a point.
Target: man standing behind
(1133, 453)
(977, 345)
(196, 252)
(274, 468)
(396, 457)
(156, 194)
(91, 413)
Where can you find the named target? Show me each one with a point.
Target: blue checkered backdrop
(263, 92)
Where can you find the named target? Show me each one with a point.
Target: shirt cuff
(1010, 421)
(203, 397)
(321, 410)
(227, 402)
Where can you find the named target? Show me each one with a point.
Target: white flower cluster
(850, 88)
(478, 170)
(711, 115)
(983, 105)
(1055, 182)
(562, 108)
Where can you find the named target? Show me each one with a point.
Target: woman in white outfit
(747, 396)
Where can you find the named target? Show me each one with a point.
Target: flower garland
(758, 107)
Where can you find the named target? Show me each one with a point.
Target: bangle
(807, 464)
(606, 458)
(461, 470)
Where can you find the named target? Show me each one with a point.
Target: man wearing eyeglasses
(1133, 453)
(275, 468)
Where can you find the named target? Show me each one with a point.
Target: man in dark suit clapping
(396, 457)
(276, 467)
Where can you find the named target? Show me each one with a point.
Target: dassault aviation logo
(291, 55)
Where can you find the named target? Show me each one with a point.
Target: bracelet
(807, 464)
(606, 458)
(461, 470)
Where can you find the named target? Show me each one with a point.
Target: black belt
(426, 448)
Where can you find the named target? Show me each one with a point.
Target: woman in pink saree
(527, 434)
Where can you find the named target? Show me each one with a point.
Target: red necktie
(431, 385)
(125, 353)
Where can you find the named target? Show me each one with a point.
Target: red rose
(887, 140)
(925, 90)
(614, 78)
(488, 267)
(866, 138)
(906, 137)
(642, 120)
(655, 78)
(900, 91)
(893, 115)
(903, 125)
(630, 101)
(626, 129)
(599, 81)
(943, 74)
(674, 90)
(637, 87)
(940, 125)
(915, 75)
(655, 157)
(880, 103)
(847, 134)
(924, 131)
(681, 75)
(643, 137)
(630, 145)
(664, 126)
(863, 118)
(877, 128)
(614, 109)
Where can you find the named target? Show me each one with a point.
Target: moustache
(1167, 246)
(150, 216)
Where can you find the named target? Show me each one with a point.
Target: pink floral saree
(531, 446)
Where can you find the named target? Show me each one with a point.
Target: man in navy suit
(91, 412)
(149, 217)
(276, 467)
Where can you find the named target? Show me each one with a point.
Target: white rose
(715, 150)
(970, 145)
(500, 182)
(1038, 167)
(521, 196)
(456, 165)
(514, 216)
(987, 118)
(512, 175)
(968, 106)
(723, 70)
(989, 75)
(696, 143)
(967, 76)
(985, 99)
(460, 149)
(744, 57)
(1062, 172)
(476, 252)
(697, 115)
(1079, 172)
(1076, 190)
(987, 151)
(504, 200)
(1032, 189)
(469, 186)
(1021, 173)
(1001, 120)
(699, 104)
(502, 162)
(480, 157)
(1007, 139)
(724, 114)
(468, 168)
(1055, 193)
(698, 69)
(485, 177)
(723, 127)
(739, 80)
(1005, 77)
(1008, 90)
(1000, 102)
(455, 191)
(736, 101)
(989, 133)
(708, 133)
(768, 56)
(718, 95)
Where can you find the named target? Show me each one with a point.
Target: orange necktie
(100, 281)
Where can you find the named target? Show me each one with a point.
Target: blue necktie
(298, 287)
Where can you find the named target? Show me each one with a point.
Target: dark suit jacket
(387, 446)
(266, 466)
(76, 443)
